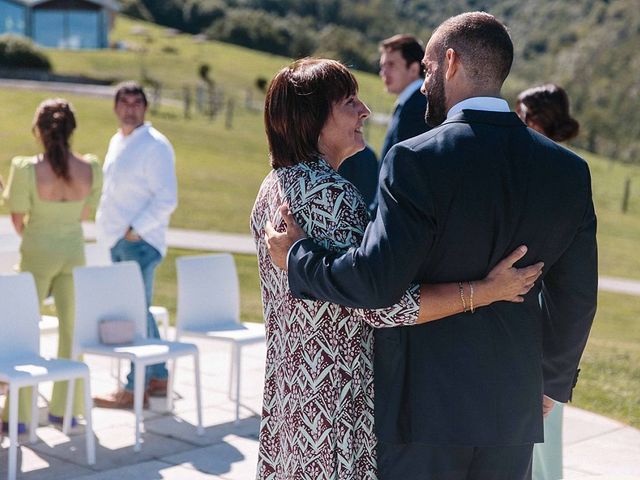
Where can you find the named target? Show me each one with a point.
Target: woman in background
(546, 110)
(48, 196)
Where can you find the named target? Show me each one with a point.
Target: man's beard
(436, 101)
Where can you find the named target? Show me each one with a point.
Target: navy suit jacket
(361, 169)
(407, 121)
(452, 203)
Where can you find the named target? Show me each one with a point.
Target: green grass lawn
(220, 170)
(609, 381)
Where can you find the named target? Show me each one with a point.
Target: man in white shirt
(138, 196)
(402, 73)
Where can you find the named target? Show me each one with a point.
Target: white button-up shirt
(139, 188)
(487, 104)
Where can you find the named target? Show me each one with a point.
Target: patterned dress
(317, 417)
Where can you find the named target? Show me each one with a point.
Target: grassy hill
(173, 59)
(220, 170)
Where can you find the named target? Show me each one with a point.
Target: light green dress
(52, 245)
(547, 456)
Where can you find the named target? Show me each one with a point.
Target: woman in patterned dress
(317, 418)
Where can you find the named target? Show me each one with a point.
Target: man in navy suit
(402, 74)
(462, 399)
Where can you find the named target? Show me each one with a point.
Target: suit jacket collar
(501, 119)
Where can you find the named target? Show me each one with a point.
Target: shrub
(19, 52)
(253, 29)
(170, 49)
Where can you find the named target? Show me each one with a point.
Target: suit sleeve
(569, 298)
(376, 274)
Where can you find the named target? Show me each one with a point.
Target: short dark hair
(482, 42)
(298, 104)
(409, 47)
(130, 88)
(548, 107)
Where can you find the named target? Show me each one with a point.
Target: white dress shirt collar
(139, 130)
(408, 91)
(488, 104)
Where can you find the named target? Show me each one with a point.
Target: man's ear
(451, 62)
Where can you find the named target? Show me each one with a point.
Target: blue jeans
(148, 258)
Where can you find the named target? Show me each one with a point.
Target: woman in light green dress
(48, 196)
(546, 110)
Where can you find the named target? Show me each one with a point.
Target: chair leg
(165, 326)
(68, 407)
(120, 383)
(88, 405)
(138, 398)
(237, 380)
(13, 431)
(196, 369)
(170, 383)
(34, 414)
(232, 367)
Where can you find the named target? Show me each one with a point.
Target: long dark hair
(54, 122)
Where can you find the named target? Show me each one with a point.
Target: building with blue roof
(73, 24)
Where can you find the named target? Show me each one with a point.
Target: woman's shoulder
(313, 178)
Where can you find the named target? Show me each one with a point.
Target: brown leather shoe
(157, 388)
(121, 399)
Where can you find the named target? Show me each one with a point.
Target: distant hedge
(19, 52)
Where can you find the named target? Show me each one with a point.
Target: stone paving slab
(34, 465)
(612, 454)
(235, 458)
(582, 426)
(114, 448)
(151, 470)
(218, 423)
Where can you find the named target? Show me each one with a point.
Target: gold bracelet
(473, 310)
(461, 289)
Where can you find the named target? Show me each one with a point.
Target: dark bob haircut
(298, 104)
(130, 88)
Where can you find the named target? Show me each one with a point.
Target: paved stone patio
(595, 447)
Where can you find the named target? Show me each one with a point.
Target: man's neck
(128, 129)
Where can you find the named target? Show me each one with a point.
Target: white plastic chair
(22, 366)
(209, 307)
(97, 254)
(117, 292)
